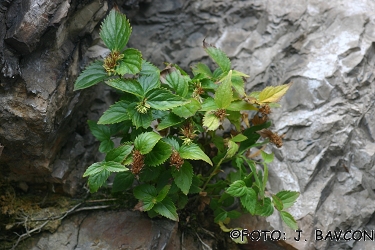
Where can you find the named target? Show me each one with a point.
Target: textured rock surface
(326, 48)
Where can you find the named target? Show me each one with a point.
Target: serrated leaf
(167, 209)
(272, 94)
(149, 69)
(150, 173)
(209, 105)
(101, 132)
(277, 203)
(139, 119)
(201, 68)
(106, 145)
(119, 154)
(237, 188)
(163, 99)
(149, 82)
(159, 154)
(169, 121)
(187, 110)
(172, 142)
(218, 56)
(148, 203)
(193, 152)
(240, 105)
(289, 220)
(115, 31)
(131, 63)
(122, 181)
(97, 180)
(267, 158)
(249, 200)
(163, 193)
(110, 166)
(145, 142)
(264, 208)
(117, 112)
(144, 191)
(93, 74)
(211, 121)
(238, 84)
(224, 93)
(183, 177)
(127, 85)
(288, 197)
(176, 81)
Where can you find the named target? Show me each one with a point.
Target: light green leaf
(131, 63)
(211, 121)
(163, 193)
(145, 142)
(224, 93)
(237, 188)
(267, 158)
(159, 154)
(92, 75)
(110, 166)
(193, 152)
(122, 181)
(183, 177)
(238, 84)
(239, 105)
(201, 68)
(97, 180)
(264, 208)
(232, 149)
(239, 138)
(169, 121)
(127, 85)
(289, 220)
(218, 56)
(277, 203)
(249, 200)
(167, 209)
(238, 73)
(163, 99)
(288, 197)
(176, 81)
(149, 82)
(273, 94)
(115, 31)
(117, 112)
(119, 154)
(187, 110)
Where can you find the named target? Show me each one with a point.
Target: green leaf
(277, 203)
(167, 209)
(187, 110)
(163, 193)
(264, 208)
(267, 158)
(289, 220)
(176, 81)
(150, 173)
(288, 197)
(144, 191)
(163, 99)
(101, 132)
(240, 105)
(119, 154)
(115, 31)
(148, 203)
(172, 142)
(224, 93)
(92, 75)
(235, 117)
(218, 56)
(237, 188)
(238, 84)
(159, 154)
(239, 138)
(211, 121)
(110, 166)
(122, 181)
(232, 149)
(131, 63)
(145, 142)
(149, 82)
(97, 180)
(201, 68)
(221, 216)
(115, 113)
(183, 177)
(139, 119)
(273, 94)
(209, 105)
(252, 136)
(106, 145)
(193, 152)
(195, 185)
(169, 121)
(149, 69)
(249, 200)
(127, 85)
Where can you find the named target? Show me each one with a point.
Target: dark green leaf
(163, 99)
(249, 200)
(221, 216)
(122, 181)
(127, 85)
(167, 209)
(237, 188)
(115, 31)
(119, 154)
(264, 208)
(92, 75)
(173, 142)
(193, 152)
(187, 110)
(101, 132)
(145, 142)
(183, 177)
(115, 113)
(131, 63)
(289, 220)
(159, 154)
(150, 173)
(169, 121)
(106, 145)
(177, 82)
(163, 193)
(252, 136)
(97, 180)
(144, 191)
(195, 185)
(139, 119)
(149, 82)
(149, 69)
(288, 197)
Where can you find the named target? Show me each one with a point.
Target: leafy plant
(174, 143)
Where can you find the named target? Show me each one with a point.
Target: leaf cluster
(168, 123)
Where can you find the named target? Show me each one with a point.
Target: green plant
(171, 151)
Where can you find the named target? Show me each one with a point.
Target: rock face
(326, 48)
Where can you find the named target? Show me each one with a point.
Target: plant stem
(213, 173)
